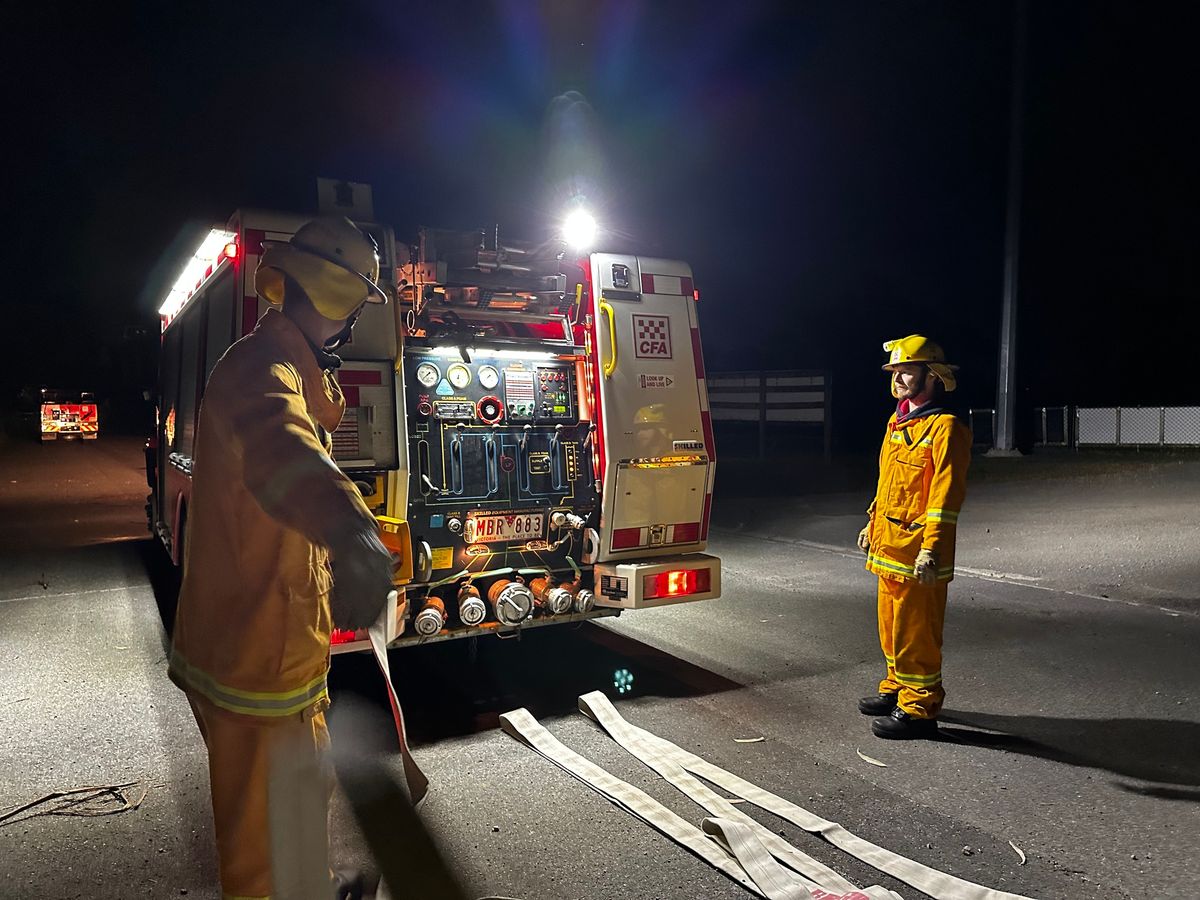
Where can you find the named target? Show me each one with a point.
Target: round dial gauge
(428, 374)
(459, 375)
(488, 377)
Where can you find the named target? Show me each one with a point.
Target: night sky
(834, 172)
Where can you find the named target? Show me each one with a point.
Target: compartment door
(657, 458)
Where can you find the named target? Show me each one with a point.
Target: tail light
(677, 583)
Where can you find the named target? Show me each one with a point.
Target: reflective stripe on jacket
(252, 628)
(922, 483)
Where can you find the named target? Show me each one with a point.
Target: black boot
(879, 705)
(900, 726)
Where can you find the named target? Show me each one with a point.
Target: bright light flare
(203, 262)
(579, 229)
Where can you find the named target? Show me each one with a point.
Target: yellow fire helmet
(916, 348)
(335, 263)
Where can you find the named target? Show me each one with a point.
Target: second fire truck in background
(69, 415)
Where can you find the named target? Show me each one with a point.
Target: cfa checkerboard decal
(652, 337)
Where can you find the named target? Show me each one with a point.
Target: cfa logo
(652, 337)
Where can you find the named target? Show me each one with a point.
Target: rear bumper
(629, 585)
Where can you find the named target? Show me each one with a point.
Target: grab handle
(492, 464)
(610, 366)
(457, 476)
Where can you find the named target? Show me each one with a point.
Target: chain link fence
(1138, 426)
(1104, 426)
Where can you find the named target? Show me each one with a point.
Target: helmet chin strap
(344, 335)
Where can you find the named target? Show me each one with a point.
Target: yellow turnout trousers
(911, 616)
(239, 758)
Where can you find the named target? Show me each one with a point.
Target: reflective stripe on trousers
(911, 616)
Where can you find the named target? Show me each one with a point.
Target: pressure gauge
(459, 375)
(428, 374)
(488, 377)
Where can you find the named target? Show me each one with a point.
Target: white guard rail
(797, 397)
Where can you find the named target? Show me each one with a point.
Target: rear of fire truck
(69, 416)
(559, 452)
(530, 430)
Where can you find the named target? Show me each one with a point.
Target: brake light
(624, 538)
(677, 583)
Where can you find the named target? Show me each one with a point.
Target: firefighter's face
(346, 326)
(909, 380)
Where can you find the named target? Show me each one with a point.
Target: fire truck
(69, 416)
(531, 428)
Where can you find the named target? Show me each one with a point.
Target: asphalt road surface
(1072, 727)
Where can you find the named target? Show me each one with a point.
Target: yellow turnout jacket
(922, 483)
(253, 625)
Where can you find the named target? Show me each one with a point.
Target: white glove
(926, 567)
(864, 539)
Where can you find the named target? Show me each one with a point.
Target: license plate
(493, 529)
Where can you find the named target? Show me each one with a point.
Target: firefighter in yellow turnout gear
(279, 544)
(909, 537)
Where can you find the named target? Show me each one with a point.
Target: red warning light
(231, 250)
(679, 583)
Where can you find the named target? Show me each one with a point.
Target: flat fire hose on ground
(650, 748)
(597, 707)
(751, 849)
(418, 784)
(525, 728)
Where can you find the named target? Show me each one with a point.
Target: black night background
(834, 172)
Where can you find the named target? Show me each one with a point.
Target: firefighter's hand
(926, 567)
(864, 539)
(362, 580)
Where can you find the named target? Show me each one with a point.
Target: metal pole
(1006, 386)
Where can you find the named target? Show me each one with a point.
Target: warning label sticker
(443, 557)
(614, 586)
(652, 337)
(655, 381)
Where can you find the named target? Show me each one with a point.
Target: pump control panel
(496, 444)
(489, 390)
